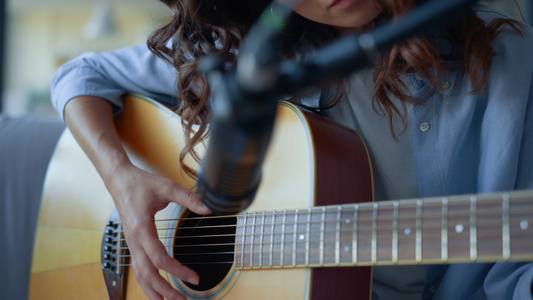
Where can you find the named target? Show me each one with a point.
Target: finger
(161, 260)
(163, 287)
(147, 274)
(182, 196)
(152, 283)
(144, 274)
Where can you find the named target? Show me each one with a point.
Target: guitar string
(366, 207)
(481, 213)
(370, 209)
(290, 233)
(362, 258)
(433, 226)
(367, 258)
(381, 238)
(273, 256)
(428, 226)
(406, 242)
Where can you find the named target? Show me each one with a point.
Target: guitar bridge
(114, 257)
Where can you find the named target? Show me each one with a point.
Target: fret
(338, 237)
(308, 236)
(245, 221)
(520, 232)
(366, 233)
(395, 232)
(300, 238)
(289, 255)
(354, 241)
(330, 236)
(238, 233)
(315, 235)
(272, 240)
(444, 233)
(261, 240)
(345, 234)
(374, 232)
(431, 224)
(406, 231)
(488, 222)
(473, 228)
(282, 245)
(294, 238)
(418, 249)
(458, 220)
(252, 240)
(385, 231)
(322, 235)
(506, 236)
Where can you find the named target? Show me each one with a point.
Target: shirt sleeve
(110, 75)
(524, 286)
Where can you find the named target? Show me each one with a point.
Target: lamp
(101, 22)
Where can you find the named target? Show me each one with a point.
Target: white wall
(44, 33)
(41, 37)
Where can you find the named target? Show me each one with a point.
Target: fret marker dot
(459, 228)
(524, 224)
(348, 221)
(346, 248)
(302, 237)
(407, 231)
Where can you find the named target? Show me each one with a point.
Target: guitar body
(311, 162)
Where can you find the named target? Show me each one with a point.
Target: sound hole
(206, 245)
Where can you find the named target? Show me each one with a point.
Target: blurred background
(37, 36)
(40, 35)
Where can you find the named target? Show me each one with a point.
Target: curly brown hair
(200, 27)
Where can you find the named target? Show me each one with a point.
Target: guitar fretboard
(474, 228)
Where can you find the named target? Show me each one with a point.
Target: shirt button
(425, 127)
(433, 290)
(445, 85)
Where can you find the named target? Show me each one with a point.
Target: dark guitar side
(332, 142)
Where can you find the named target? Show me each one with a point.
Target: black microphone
(243, 110)
(241, 128)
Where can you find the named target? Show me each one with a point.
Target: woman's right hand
(137, 194)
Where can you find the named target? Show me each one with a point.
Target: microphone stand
(244, 100)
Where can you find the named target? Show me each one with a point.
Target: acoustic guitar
(312, 232)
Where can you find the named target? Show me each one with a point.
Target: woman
(442, 114)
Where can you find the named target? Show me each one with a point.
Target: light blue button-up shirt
(479, 144)
(462, 143)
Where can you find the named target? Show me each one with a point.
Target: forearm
(90, 120)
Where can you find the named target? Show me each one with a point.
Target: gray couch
(26, 145)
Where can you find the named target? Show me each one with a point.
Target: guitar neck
(468, 228)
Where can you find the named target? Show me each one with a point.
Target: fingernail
(193, 281)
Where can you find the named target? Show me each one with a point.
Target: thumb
(189, 199)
